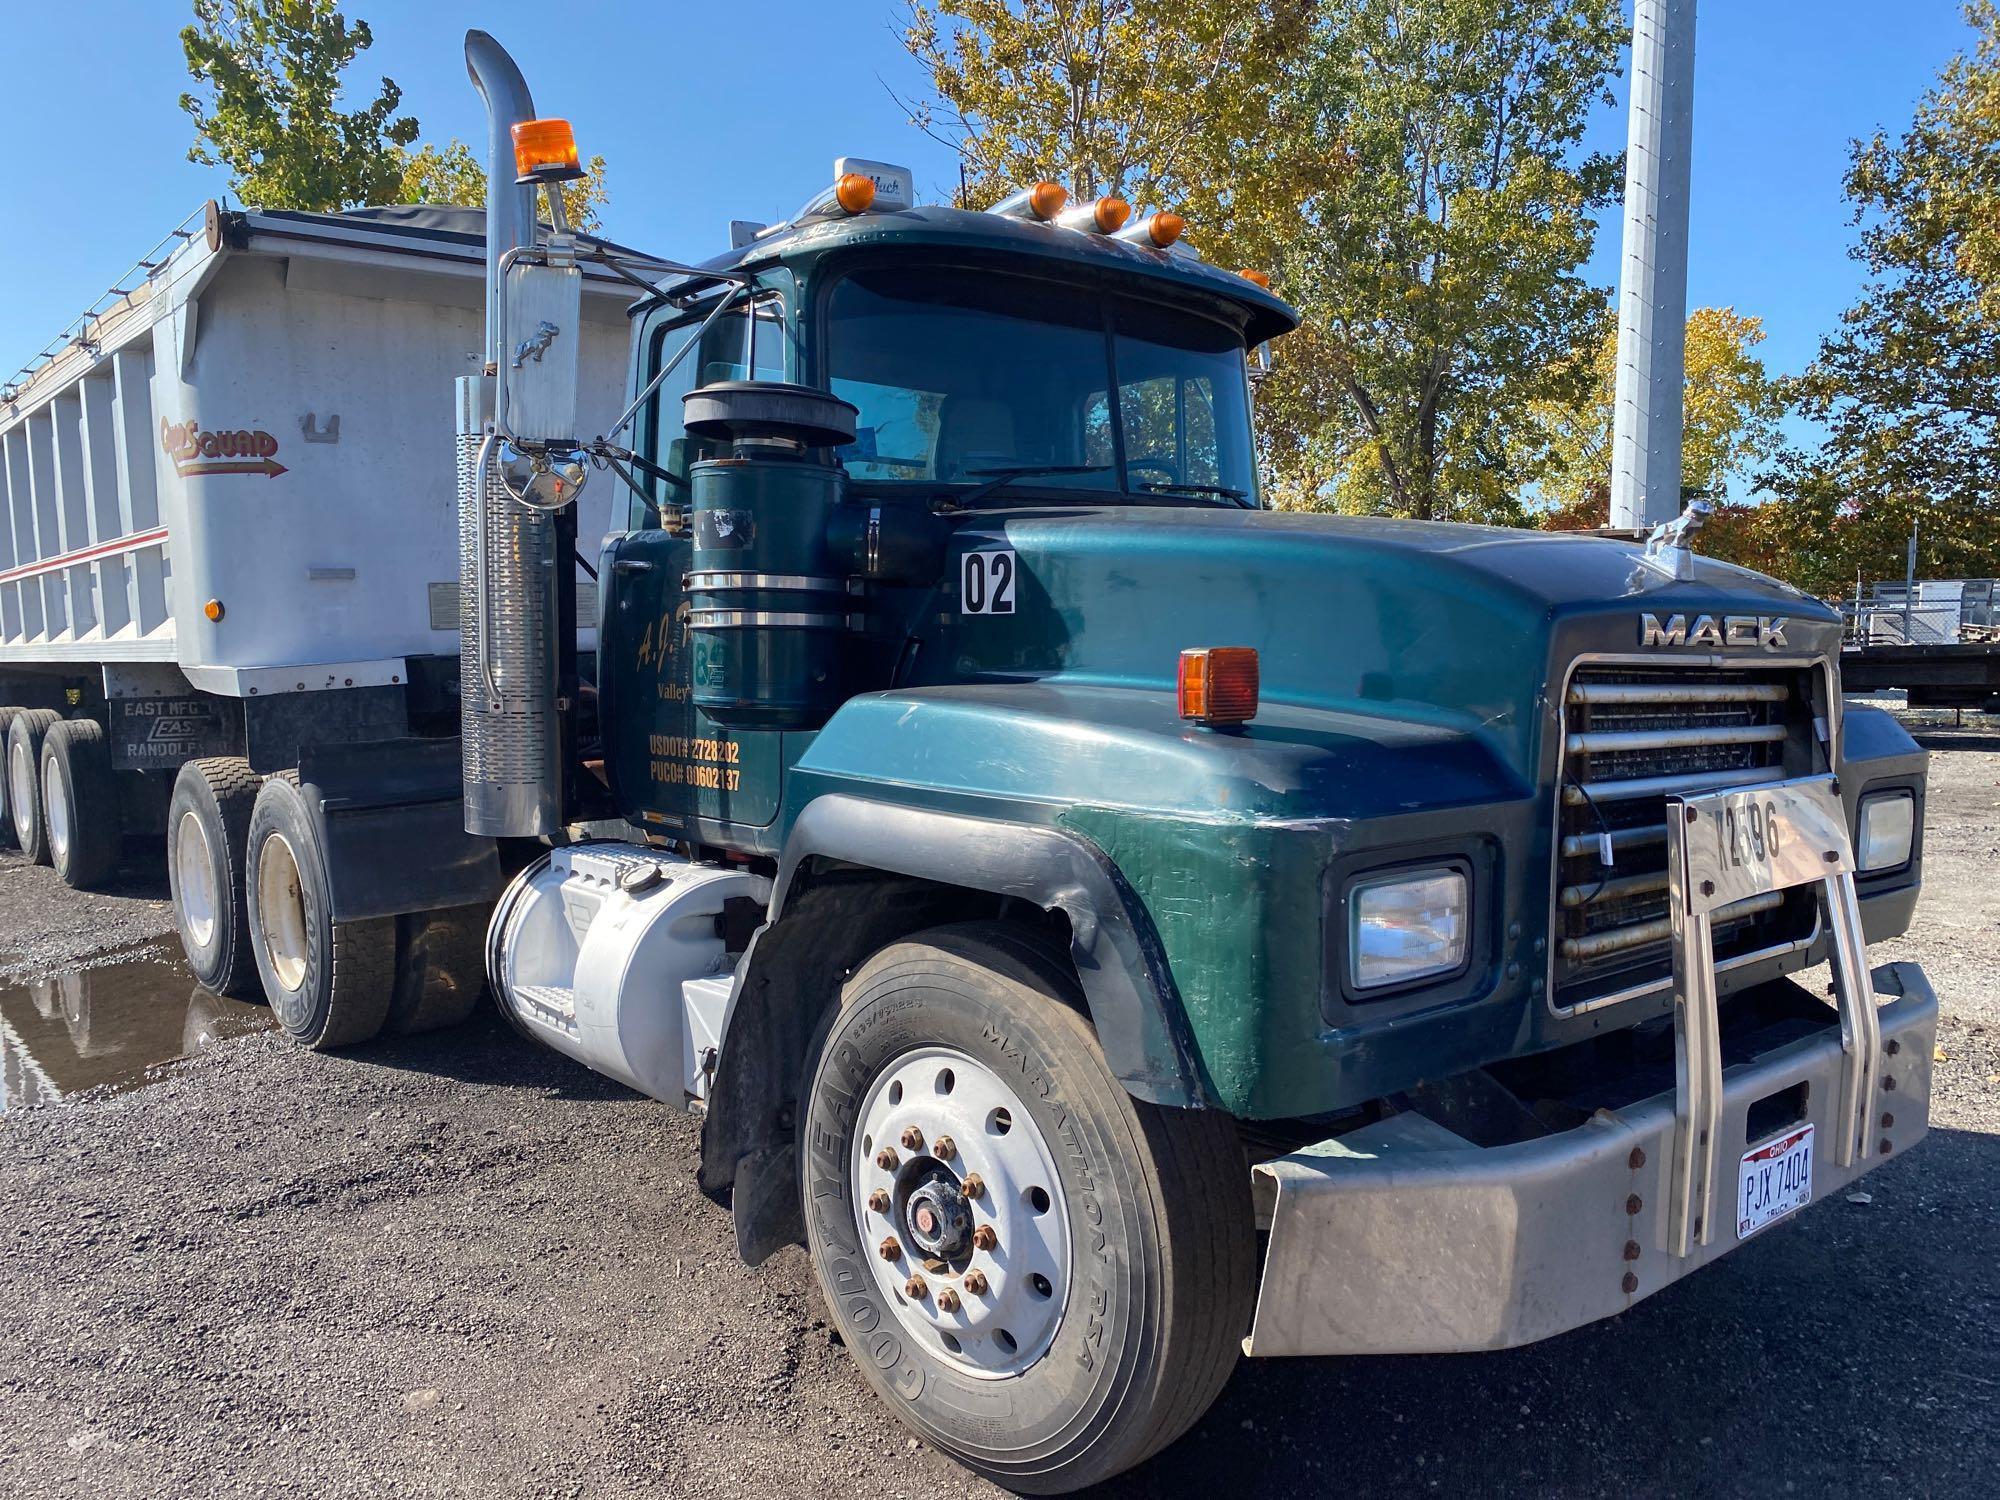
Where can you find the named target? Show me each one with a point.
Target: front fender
(1119, 957)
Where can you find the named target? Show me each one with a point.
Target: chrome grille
(1632, 737)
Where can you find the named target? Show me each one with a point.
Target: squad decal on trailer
(195, 452)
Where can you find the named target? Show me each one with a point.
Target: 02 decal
(986, 582)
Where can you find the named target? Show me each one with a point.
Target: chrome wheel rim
(55, 807)
(20, 785)
(965, 1222)
(281, 912)
(194, 880)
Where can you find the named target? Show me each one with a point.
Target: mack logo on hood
(1767, 631)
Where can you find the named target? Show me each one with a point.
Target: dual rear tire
(60, 794)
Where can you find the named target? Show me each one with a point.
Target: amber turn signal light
(545, 151)
(1218, 684)
(854, 193)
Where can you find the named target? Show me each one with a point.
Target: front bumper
(1403, 1239)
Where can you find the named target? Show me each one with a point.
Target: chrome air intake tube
(511, 732)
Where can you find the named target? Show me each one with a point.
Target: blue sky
(699, 125)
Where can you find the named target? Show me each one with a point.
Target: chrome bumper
(1403, 1239)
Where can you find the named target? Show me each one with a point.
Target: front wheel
(1041, 1275)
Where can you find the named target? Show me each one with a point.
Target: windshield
(958, 377)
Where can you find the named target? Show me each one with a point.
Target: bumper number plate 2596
(1774, 1180)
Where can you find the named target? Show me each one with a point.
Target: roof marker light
(1260, 278)
(1043, 201)
(1155, 230)
(1099, 216)
(545, 151)
(1217, 685)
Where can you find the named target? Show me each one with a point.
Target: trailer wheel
(24, 780)
(329, 983)
(440, 969)
(80, 803)
(7, 838)
(208, 832)
(1059, 1291)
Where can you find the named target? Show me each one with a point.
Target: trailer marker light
(213, 609)
(545, 151)
(854, 193)
(1218, 684)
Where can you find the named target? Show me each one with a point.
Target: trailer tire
(208, 834)
(24, 780)
(85, 828)
(1121, 1279)
(7, 837)
(440, 969)
(330, 983)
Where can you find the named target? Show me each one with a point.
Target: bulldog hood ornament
(1670, 548)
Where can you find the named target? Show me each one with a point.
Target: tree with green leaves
(269, 105)
(1908, 390)
(1441, 271)
(1411, 169)
(1731, 410)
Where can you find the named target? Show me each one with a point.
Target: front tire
(1100, 1271)
(330, 983)
(24, 780)
(80, 804)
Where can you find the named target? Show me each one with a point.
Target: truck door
(670, 765)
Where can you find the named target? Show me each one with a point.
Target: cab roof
(936, 230)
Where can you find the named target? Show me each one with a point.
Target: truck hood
(1458, 626)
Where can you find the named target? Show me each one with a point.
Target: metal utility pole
(1652, 302)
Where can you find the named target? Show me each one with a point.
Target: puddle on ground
(107, 1025)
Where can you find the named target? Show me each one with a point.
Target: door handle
(631, 566)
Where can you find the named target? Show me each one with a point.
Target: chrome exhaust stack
(510, 609)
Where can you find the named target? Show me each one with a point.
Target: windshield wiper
(997, 478)
(1170, 487)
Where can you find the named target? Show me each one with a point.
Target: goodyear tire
(7, 838)
(208, 833)
(330, 983)
(80, 810)
(1059, 1290)
(24, 780)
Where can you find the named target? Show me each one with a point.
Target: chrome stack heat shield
(510, 731)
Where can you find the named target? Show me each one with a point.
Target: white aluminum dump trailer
(229, 552)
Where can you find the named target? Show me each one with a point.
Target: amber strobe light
(1218, 684)
(545, 151)
(854, 193)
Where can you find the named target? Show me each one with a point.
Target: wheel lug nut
(973, 1186)
(975, 1283)
(879, 1200)
(984, 1238)
(915, 1289)
(944, 1148)
(891, 1249)
(947, 1301)
(913, 1139)
(887, 1159)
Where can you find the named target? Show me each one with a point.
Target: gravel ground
(462, 1266)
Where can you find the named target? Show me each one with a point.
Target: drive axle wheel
(329, 983)
(24, 780)
(7, 839)
(1042, 1276)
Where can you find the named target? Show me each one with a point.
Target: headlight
(1888, 826)
(1405, 926)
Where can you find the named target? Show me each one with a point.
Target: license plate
(1774, 1180)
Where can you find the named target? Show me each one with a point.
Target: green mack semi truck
(1113, 925)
